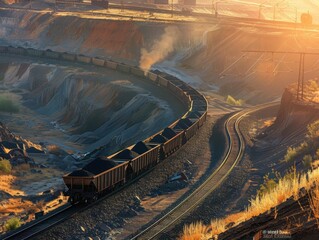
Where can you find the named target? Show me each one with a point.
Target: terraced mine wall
(131, 161)
(191, 98)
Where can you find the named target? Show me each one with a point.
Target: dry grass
(269, 122)
(287, 187)
(56, 150)
(15, 205)
(314, 201)
(6, 185)
(195, 231)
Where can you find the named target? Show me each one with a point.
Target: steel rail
(233, 156)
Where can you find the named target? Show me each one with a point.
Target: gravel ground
(238, 188)
(98, 221)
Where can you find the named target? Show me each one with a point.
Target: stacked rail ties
(104, 174)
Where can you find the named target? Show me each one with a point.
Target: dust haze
(160, 49)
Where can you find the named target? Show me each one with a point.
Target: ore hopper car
(94, 179)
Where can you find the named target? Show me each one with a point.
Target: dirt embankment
(116, 39)
(213, 52)
(292, 119)
(269, 149)
(93, 37)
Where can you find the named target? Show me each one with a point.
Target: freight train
(104, 174)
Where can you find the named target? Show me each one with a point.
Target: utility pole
(259, 13)
(301, 74)
(172, 8)
(213, 7)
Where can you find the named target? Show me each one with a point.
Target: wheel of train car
(75, 198)
(129, 173)
(71, 200)
(94, 198)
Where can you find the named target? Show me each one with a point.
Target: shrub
(291, 154)
(12, 223)
(5, 166)
(7, 105)
(232, 101)
(267, 186)
(313, 130)
(307, 160)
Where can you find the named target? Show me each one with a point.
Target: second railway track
(233, 155)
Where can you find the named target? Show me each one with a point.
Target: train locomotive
(104, 174)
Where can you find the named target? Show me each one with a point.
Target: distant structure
(306, 18)
(187, 2)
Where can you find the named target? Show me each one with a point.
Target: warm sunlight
(159, 119)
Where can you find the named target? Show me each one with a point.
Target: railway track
(202, 18)
(232, 157)
(200, 103)
(63, 213)
(30, 230)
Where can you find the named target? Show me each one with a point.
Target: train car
(175, 141)
(177, 91)
(137, 72)
(152, 76)
(35, 52)
(108, 180)
(98, 176)
(18, 50)
(3, 49)
(192, 130)
(123, 67)
(162, 81)
(111, 64)
(148, 156)
(202, 119)
(68, 56)
(79, 184)
(98, 61)
(50, 54)
(83, 59)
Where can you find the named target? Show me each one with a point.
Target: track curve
(233, 155)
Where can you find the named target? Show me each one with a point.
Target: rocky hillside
(91, 107)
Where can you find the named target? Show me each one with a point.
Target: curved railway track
(233, 155)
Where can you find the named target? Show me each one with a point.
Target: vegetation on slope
(12, 223)
(5, 166)
(286, 187)
(7, 105)
(232, 101)
(273, 191)
(307, 149)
